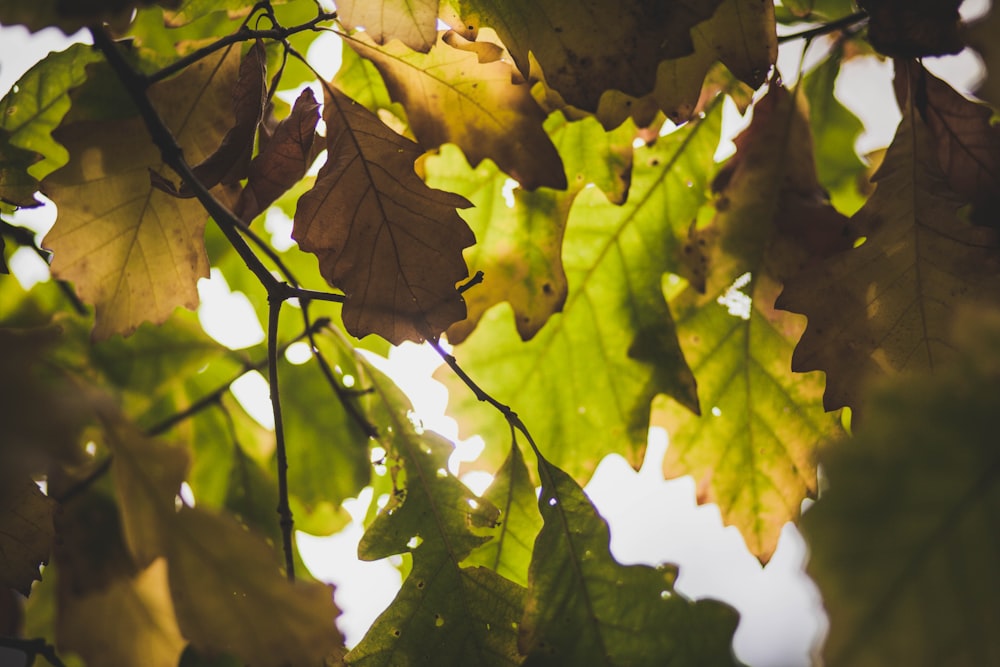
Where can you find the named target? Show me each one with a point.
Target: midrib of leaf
(936, 538)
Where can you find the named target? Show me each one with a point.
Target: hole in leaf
(438, 621)
(552, 502)
(414, 542)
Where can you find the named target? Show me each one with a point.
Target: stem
(284, 510)
(832, 26)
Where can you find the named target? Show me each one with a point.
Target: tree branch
(832, 26)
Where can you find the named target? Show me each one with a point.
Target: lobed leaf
(413, 22)
(392, 244)
(902, 545)
(26, 533)
(584, 608)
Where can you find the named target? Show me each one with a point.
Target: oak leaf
(450, 96)
(886, 306)
(26, 533)
(413, 22)
(393, 245)
(133, 251)
(913, 28)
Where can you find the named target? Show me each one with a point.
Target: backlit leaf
(906, 29)
(584, 384)
(131, 250)
(752, 449)
(17, 186)
(26, 534)
(413, 22)
(444, 614)
(585, 48)
(584, 608)
(903, 544)
(886, 306)
(450, 96)
(393, 245)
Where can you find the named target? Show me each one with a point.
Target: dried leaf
(886, 306)
(26, 534)
(413, 22)
(913, 28)
(450, 96)
(283, 162)
(393, 245)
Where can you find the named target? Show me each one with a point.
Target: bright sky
(652, 521)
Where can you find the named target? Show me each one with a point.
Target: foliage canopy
(563, 155)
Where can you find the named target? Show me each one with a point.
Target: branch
(832, 26)
(286, 521)
(33, 648)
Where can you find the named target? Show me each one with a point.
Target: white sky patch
(227, 316)
(28, 267)
(298, 353)
(279, 226)
(254, 395)
(736, 302)
(508, 192)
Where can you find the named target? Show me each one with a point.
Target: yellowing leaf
(393, 245)
(886, 306)
(26, 533)
(444, 614)
(450, 96)
(230, 596)
(413, 22)
(752, 449)
(585, 48)
(584, 608)
(903, 546)
(130, 622)
(135, 252)
(584, 383)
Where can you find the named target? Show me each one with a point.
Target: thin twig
(284, 510)
(832, 26)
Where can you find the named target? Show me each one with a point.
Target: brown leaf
(393, 245)
(452, 97)
(283, 161)
(913, 28)
(967, 144)
(26, 534)
(413, 22)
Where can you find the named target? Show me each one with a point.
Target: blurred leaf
(230, 596)
(135, 252)
(42, 98)
(450, 96)
(584, 608)
(913, 28)
(584, 384)
(17, 186)
(359, 79)
(589, 47)
(186, 11)
(392, 244)
(444, 614)
(26, 534)
(981, 36)
(413, 22)
(902, 545)
(752, 449)
(68, 16)
(886, 306)
(192, 658)
(509, 552)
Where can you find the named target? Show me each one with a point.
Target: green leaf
(903, 544)
(450, 96)
(584, 384)
(444, 614)
(584, 608)
(585, 48)
(886, 306)
(26, 534)
(512, 492)
(752, 449)
(17, 186)
(38, 102)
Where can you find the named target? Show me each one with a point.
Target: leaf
(584, 384)
(230, 596)
(752, 448)
(130, 622)
(283, 162)
(488, 115)
(134, 252)
(901, 545)
(17, 186)
(444, 614)
(26, 534)
(512, 492)
(413, 22)
(967, 144)
(392, 244)
(519, 244)
(67, 16)
(589, 47)
(36, 105)
(905, 29)
(885, 307)
(584, 608)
